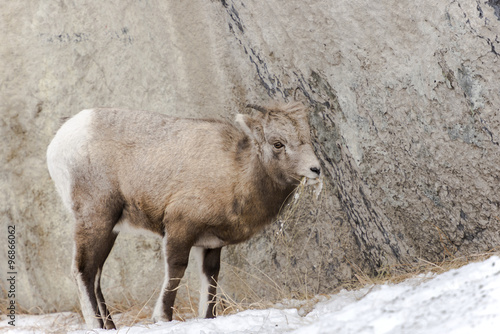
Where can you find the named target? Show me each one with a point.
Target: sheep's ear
(251, 126)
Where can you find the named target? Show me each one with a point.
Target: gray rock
(405, 98)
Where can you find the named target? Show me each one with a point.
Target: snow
(464, 300)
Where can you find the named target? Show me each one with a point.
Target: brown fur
(186, 180)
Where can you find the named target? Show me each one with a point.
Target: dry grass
(302, 297)
(132, 311)
(394, 275)
(420, 269)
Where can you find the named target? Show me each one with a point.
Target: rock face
(405, 98)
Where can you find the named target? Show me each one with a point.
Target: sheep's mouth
(309, 181)
(317, 184)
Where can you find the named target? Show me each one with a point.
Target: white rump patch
(68, 147)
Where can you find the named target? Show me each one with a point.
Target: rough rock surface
(406, 102)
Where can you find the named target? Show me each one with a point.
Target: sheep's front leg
(209, 266)
(176, 260)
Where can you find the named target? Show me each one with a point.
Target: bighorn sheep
(200, 184)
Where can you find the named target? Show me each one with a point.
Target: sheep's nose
(315, 170)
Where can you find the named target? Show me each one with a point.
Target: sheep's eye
(278, 145)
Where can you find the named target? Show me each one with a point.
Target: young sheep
(200, 184)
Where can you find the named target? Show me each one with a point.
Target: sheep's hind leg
(176, 260)
(92, 247)
(209, 266)
(106, 316)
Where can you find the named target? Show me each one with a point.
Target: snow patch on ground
(464, 300)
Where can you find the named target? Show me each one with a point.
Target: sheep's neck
(261, 196)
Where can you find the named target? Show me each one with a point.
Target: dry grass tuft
(394, 275)
(132, 312)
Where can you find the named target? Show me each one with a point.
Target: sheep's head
(282, 138)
